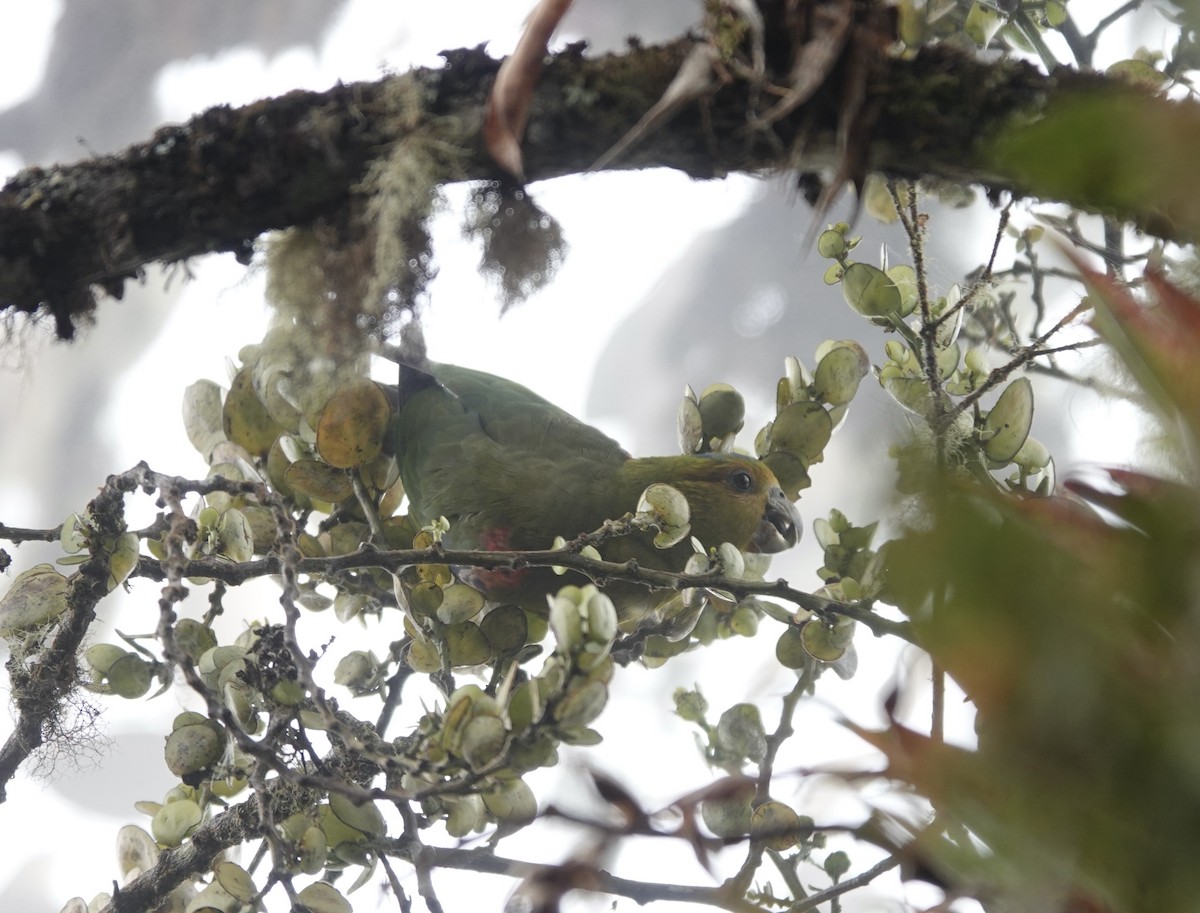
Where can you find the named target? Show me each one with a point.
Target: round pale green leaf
(581, 737)
(524, 702)
(262, 526)
(466, 644)
(804, 428)
(877, 200)
(130, 676)
(279, 459)
(824, 641)
(365, 817)
(238, 698)
(728, 816)
(74, 534)
(100, 657)
(203, 416)
(689, 426)
(948, 358)
(212, 661)
(348, 606)
(982, 23)
(136, 850)
(731, 560)
(207, 518)
(320, 897)
(237, 541)
(213, 899)
(581, 705)
(744, 621)
(905, 278)
(1007, 426)
(194, 638)
(348, 537)
(460, 602)
(565, 619)
(722, 411)
(193, 748)
(666, 505)
(314, 850)
(948, 331)
(790, 649)
(600, 619)
(465, 814)
(910, 392)
(790, 471)
(505, 629)
(870, 291)
(235, 880)
(245, 419)
(740, 732)
(831, 244)
(1138, 73)
(337, 832)
(511, 801)
(174, 821)
(1033, 455)
(319, 481)
(833, 274)
(839, 372)
(776, 824)
(355, 670)
(425, 598)
(353, 425)
(423, 655)
(188, 718)
(482, 742)
(36, 598)
(381, 473)
(274, 389)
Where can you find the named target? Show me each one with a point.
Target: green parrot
(510, 470)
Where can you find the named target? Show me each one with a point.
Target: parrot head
(732, 498)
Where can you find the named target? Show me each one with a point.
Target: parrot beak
(780, 526)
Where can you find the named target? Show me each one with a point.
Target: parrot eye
(741, 480)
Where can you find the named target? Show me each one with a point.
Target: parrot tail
(415, 368)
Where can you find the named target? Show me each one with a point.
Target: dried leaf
(512, 93)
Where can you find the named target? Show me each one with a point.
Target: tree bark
(223, 178)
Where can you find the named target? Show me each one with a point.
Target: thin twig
(849, 884)
(985, 277)
(783, 731)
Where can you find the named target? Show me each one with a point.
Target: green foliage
(1135, 159)
(1071, 631)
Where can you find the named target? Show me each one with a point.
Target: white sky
(73, 855)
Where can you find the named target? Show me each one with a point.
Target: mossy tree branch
(223, 178)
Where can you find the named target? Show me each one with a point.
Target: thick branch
(176, 865)
(600, 571)
(40, 687)
(226, 176)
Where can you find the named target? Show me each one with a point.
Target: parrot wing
(498, 461)
(510, 470)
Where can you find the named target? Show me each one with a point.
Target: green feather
(511, 470)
